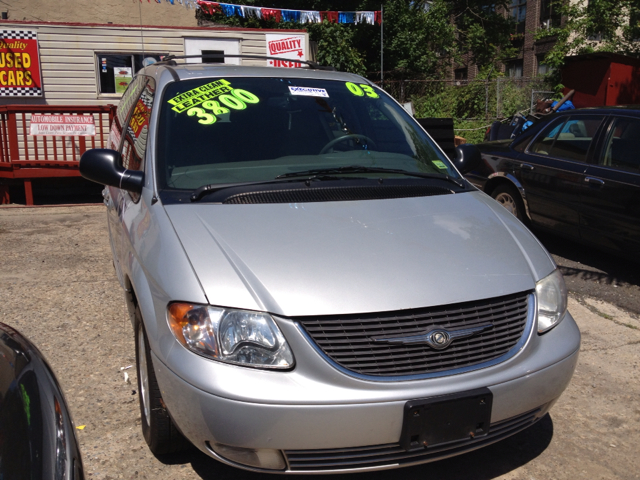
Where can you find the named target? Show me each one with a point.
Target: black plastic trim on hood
(301, 191)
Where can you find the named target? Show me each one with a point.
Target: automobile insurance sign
(19, 64)
(286, 49)
(72, 125)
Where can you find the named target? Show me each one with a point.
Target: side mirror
(468, 157)
(102, 166)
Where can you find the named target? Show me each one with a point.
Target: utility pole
(382, 46)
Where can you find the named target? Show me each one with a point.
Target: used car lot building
(55, 68)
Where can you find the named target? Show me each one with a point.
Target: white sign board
(72, 125)
(287, 48)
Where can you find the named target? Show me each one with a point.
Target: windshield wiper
(362, 169)
(205, 190)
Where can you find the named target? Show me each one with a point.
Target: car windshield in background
(236, 130)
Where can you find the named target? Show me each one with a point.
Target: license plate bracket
(448, 418)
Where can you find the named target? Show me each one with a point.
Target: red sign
(19, 64)
(140, 117)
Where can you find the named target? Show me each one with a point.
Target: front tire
(510, 198)
(158, 429)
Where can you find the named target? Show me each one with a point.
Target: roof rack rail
(170, 59)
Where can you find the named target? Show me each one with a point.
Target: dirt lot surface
(58, 288)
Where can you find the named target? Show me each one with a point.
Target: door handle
(594, 181)
(526, 166)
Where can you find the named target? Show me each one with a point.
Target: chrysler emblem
(436, 337)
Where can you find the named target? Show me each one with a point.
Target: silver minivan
(313, 285)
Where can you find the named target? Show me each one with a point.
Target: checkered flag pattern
(20, 92)
(147, 99)
(18, 34)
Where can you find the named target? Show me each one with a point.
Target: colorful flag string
(281, 15)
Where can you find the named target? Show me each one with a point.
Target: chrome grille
(392, 454)
(347, 340)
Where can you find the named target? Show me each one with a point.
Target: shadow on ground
(483, 464)
(595, 273)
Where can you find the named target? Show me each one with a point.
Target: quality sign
(286, 49)
(19, 64)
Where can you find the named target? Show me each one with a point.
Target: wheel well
(495, 182)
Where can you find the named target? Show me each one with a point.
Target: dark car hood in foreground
(362, 256)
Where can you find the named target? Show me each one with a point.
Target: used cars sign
(19, 64)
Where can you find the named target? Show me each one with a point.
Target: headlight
(240, 337)
(552, 301)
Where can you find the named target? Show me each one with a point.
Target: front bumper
(366, 430)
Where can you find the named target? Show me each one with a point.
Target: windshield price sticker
(362, 90)
(309, 92)
(439, 164)
(192, 98)
(226, 98)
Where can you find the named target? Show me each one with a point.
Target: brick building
(529, 16)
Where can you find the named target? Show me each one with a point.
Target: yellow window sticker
(439, 164)
(361, 90)
(200, 102)
(193, 98)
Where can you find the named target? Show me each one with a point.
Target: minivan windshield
(236, 130)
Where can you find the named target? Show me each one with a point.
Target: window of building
(514, 68)
(212, 56)
(549, 14)
(543, 68)
(116, 70)
(488, 7)
(634, 23)
(460, 74)
(518, 12)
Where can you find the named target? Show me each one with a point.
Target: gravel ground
(58, 288)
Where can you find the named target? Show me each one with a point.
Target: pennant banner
(280, 15)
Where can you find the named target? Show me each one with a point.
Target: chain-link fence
(473, 104)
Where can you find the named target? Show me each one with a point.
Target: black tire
(509, 197)
(158, 429)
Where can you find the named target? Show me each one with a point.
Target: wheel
(510, 199)
(158, 429)
(350, 136)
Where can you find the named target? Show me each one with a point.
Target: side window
(137, 132)
(124, 109)
(568, 138)
(622, 145)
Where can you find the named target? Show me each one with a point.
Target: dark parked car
(575, 173)
(37, 437)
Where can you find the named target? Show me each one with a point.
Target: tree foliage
(420, 37)
(483, 30)
(593, 26)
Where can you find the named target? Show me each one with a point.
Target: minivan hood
(330, 258)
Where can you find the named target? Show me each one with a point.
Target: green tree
(593, 26)
(335, 47)
(420, 37)
(483, 30)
